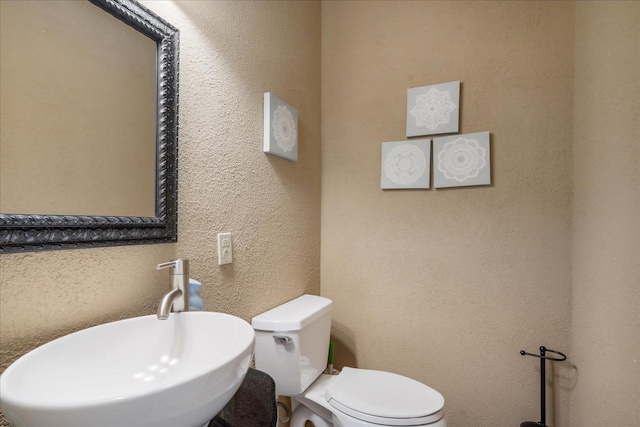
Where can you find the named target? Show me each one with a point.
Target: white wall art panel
(280, 128)
(433, 109)
(461, 160)
(406, 164)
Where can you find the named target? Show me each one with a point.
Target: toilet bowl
(292, 342)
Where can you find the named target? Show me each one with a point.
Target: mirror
(88, 147)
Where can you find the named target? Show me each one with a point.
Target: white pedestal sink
(135, 372)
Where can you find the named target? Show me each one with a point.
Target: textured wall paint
(48, 294)
(446, 286)
(605, 328)
(230, 53)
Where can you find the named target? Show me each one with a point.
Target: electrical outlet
(225, 251)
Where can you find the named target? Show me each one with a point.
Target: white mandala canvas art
(280, 128)
(433, 109)
(406, 164)
(461, 160)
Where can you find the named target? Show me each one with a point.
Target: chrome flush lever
(282, 339)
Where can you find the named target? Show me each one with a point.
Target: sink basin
(136, 372)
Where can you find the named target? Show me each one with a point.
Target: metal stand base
(543, 358)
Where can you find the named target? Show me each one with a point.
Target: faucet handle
(177, 266)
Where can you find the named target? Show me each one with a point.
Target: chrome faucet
(178, 298)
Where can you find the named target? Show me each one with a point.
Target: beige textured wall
(446, 286)
(230, 53)
(605, 328)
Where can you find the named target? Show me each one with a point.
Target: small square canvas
(280, 128)
(406, 164)
(434, 109)
(461, 160)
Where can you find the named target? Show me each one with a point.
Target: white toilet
(292, 342)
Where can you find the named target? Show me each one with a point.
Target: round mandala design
(405, 164)
(433, 108)
(461, 159)
(284, 128)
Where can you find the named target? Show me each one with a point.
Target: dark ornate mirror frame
(25, 232)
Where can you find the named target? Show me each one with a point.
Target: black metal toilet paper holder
(543, 395)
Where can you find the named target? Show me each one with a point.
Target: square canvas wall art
(433, 109)
(406, 164)
(461, 160)
(280, 128)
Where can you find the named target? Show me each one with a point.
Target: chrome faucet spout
(178, 298)
(164, 309)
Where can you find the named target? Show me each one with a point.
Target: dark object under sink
(254, 405)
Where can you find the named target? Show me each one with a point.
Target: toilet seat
(384, 398)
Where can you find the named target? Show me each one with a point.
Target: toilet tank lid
(292, 315)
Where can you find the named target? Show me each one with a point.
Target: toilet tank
(292, 342)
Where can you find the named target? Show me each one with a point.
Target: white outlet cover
(225, 251)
